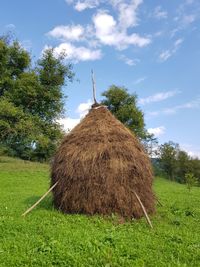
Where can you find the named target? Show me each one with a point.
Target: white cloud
(187, 13)
(72, 33)
(126, 9)
(140, 80)
(77, 54)
(68, 123)
(82, 5)
(165, 55)
(191, 150)
(158, 131)
(159, 13)
(184, 21)
(168, 53)
(194, 104)
(129, 61)
(69, 2)
(108, 32)
(82, 110)
(158, 33)
(128, 13)
(188, 19)
(105, 29)
(10, 26)
(188, 105)
(158, 97)
(174, 31)
(178, 42)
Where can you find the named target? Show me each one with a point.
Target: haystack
(99, 166)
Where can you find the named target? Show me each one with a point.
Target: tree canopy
(124, 106)
(31, 100)
(176, 164)
(167, 155)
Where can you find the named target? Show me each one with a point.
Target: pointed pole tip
(94, 87)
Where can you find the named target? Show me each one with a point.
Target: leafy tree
(190, 180)
(31, 100)
(177, 164)
(183, 165)
(52, 74)
(124, 106)
(17, 129)
(151, 145)
(167, 157)
(194, 167)
(14, 60)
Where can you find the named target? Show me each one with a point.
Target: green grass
(45, 237)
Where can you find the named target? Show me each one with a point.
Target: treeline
(175, 164)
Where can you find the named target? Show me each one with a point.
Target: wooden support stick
(32, 207)
(143, 208)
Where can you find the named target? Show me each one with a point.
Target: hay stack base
(98, 166)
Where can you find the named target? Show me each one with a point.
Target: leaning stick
(143, 208)
(32, 207)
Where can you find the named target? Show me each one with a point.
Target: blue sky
(150, 47)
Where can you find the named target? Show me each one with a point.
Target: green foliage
(124, 107)
(31, 100)
(52, 74)
(47, 237)
(183, 164)
(14, 60)
(194, 167)
(167, 156)
(176, 164)
(17, 129)
(190, 180)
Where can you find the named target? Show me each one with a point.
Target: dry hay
(98, 165)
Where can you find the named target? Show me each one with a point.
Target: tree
(31, 100)
(190, 180)
(124, 106)
(183, 167)
(53, 74)
(194, 167)
(151, 145)
(176, 164)
(168, 158)
(14, 60)
(17, 129)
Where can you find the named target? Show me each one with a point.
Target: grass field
(48, 238)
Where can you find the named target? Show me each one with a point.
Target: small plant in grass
(190, 180)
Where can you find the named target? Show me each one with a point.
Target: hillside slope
(48, 238)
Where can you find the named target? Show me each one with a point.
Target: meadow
(46, 237)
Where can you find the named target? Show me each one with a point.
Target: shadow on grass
(46, 203)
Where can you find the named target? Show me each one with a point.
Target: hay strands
(143, 208)
(36, 203)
